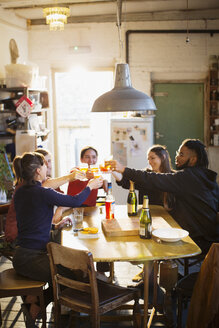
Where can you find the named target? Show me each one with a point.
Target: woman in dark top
(54, 183)
(34, 212)
(160, 162)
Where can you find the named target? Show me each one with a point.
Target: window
(77, 127)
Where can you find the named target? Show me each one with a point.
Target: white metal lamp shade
(123, 97)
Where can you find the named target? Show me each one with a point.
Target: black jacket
(196, 197)
(155, 196)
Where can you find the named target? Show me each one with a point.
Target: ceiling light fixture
(56, 17)
(123, 97)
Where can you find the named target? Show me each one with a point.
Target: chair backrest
(75, 260)
(204, 305)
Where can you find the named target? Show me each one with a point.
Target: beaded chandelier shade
(56, 17)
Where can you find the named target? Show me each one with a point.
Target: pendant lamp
(123, 97)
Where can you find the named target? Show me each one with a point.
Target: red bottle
(110, 204)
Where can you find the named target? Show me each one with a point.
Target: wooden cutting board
(123, 225)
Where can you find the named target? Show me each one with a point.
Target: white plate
(170, 235)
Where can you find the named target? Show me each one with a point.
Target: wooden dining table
(124, 244)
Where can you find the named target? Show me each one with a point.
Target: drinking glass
(83, 167)
(97, 174)
(94, 168)
(106, 163)
(78, 214)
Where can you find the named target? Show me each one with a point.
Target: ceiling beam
(209, 14)
(11, 4)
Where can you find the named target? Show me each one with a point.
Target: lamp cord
(118, 24)
(187, 22)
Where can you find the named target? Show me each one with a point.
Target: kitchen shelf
(37, 118)
(6, 136)
(8, 111)
(213, 108)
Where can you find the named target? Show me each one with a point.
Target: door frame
(206, 115)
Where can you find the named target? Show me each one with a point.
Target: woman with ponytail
(55, 183)
(34, 212)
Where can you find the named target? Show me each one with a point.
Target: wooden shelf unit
(9, 96)
(213, 108)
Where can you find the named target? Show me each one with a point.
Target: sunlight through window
(77, 127)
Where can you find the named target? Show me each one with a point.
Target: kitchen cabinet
(11, 123)
(213, 108)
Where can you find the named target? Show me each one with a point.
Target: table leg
(147, 270)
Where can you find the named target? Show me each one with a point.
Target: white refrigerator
(130, 140)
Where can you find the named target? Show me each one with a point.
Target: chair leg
(0, 316)
(57, 314)
(95, 320)
(186, 267)
(137, 314)
(43, 308)
(179, 311)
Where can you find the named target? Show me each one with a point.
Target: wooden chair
(3, 212)
(92, 297)
(7, 252)
(187, 263)
(201, 287)
(184, 289)
(12, 284)
(204, 305)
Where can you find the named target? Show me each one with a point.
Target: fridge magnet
(120, 152)
(119, 134)
(143, 133)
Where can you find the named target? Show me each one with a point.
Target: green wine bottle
(145, 220)
(132, 200)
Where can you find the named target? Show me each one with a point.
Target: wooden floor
(12, 316)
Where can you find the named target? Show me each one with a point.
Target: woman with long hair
(34, 212)
(55, 183)
(160, 162)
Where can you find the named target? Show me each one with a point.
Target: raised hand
(89, 174)
(117, 175)
(116, 166)
(77, 175)
(95, 183)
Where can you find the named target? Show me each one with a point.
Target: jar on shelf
(213, 95)
(213, 109)
(213, 62)
(213, 81)
(216, 140)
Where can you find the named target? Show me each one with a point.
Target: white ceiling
(105, 10)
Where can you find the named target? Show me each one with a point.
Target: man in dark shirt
(194, 187)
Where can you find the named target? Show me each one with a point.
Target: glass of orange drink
(94, 168)
(83, 167)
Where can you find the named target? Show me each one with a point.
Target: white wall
(12, 28)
